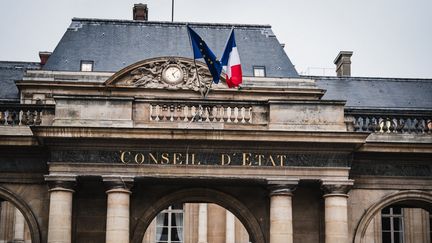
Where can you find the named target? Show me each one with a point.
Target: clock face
(173, 74)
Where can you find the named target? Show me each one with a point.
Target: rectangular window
(86, 66)
(259, 71)
(169, 225)
(392, 225)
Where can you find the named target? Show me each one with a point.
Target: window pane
(398, 237)
(259, 71)
(386, 210)
(86, 66)
(385, 223)
(386, 237)
(397, 224)
(397, 210)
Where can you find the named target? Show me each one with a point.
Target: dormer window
(259, 71)
(86, 66)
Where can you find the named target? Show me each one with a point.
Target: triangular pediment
(165, 73)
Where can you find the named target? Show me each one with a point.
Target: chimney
(140, 12)
(343, 64)
(44, 55)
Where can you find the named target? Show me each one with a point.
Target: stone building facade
(99, 146)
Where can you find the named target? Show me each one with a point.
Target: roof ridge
(139, 22)
(394, 79)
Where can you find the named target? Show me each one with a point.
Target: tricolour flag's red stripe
(236, 76)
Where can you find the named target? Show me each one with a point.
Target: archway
(412, 198)
(202, 195)
(25, 210)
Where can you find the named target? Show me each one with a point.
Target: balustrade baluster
(390, 124)
(248, 115)
(38, 118)
(174, 113)
(164, 113)
(241, 114)
(371, 125)
(385, 126)
(2, 118)
(356, 123)
(211, 113)
(225, 115)
(418, 125)
(30, 118)
(236, 114)
(428, 125)
(181, 112)
(220, 113)
(364, 124)
(208, 113)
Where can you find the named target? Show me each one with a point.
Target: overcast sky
(389, 38)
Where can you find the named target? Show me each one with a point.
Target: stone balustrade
(25, 115)
(224, 113)
(389, 122)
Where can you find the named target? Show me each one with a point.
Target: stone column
(281, 226)
(117, 225)
(19, 227)
(336, 210)
(60, 208)
(230, 227)
(202, 223)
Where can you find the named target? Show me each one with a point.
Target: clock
(172, 74)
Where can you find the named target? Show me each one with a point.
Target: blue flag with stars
(201, 50)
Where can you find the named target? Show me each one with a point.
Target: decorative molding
(336, 187)
(61, 182)
(116, 182)
(282, 187)
(150, 73)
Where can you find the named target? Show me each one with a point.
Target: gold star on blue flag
(201, 50)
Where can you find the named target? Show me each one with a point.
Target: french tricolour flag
(231, 63)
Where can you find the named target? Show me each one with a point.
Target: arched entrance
(201, 195)
(411, 198)
(25, 211)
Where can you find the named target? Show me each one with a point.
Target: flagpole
(172, 11)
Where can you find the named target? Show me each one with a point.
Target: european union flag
(201, 50)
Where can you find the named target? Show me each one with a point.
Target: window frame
(256, 68)
(171, 212)
(391, 215)
(86, 62)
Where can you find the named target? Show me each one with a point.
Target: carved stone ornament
(336, 188)
(166, 73)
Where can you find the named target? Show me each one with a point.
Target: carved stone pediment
(166, 73)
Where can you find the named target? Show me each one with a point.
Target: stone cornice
(353, 138)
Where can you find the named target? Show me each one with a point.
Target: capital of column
(61, 182)
(282, 187)
(117, 183)
(336, 188)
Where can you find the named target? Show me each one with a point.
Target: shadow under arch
(22, 206)
(415, 198)
(201, 195)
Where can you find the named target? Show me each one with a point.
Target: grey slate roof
(115, 44)
(388, 93)
(9, 72)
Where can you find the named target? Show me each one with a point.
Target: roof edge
(365, 78)
(141, 22)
